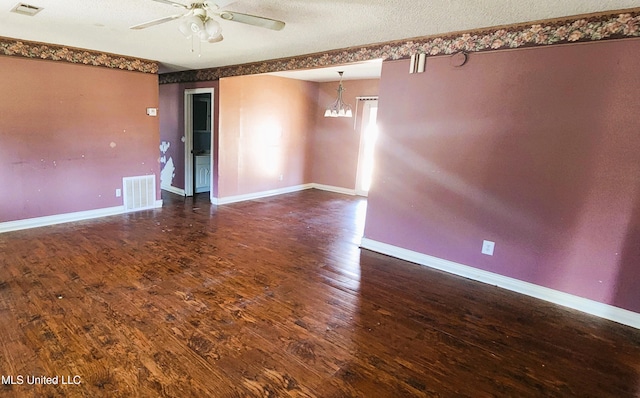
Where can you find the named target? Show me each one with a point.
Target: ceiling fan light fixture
(196, 25)
(215, 39)
(212, 27)
(191, 25)
(198, 22)
(184, 28)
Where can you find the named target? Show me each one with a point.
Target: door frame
(364, 123)
(188, 138)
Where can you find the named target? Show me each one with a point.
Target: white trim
(331, 188)
(188, 136)
(37, 222)
(172, 189)
(258, 195)
(59, 219)
(592, 307)
(362, 98)
(188, 141)
(362, 131)
(280, 191)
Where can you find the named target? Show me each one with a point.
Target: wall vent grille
(139, 193)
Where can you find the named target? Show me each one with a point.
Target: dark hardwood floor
(273, 298)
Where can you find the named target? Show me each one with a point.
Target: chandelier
(338, 108)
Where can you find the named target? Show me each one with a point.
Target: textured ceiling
(312, 25)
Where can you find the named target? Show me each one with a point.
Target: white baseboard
(588, 306)
(66, 217)
(258, 195)
(280, 191)
(331, 188)
(59, 219)
(172, 189)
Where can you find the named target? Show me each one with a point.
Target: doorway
(198, 141)
(368, 136)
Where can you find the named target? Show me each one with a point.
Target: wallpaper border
(55, 52)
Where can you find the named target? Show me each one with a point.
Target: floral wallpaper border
(54, 52)
(571, 30)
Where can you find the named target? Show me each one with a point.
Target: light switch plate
(152, 111)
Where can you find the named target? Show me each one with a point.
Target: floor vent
(139, 193)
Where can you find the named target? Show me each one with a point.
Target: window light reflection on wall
(338, 108)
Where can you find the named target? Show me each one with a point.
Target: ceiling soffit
(583, 28)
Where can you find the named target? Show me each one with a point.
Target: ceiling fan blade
(252, 20)
(217, 4)
(155, 22)
(172, 3)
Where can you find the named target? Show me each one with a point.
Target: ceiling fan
(198, 20)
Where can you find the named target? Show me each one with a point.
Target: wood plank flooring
(273, 298)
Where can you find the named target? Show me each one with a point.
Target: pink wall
(535, 149)
(265, 123)
(70, 133)
(335, 143)
(171, 114)
(311, 148)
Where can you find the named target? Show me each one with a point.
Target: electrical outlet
(487, 247)
(118, 192)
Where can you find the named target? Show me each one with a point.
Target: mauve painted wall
(171, 114)
(335, 142)
(535, 149)
(264, 123)
(57, 125)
